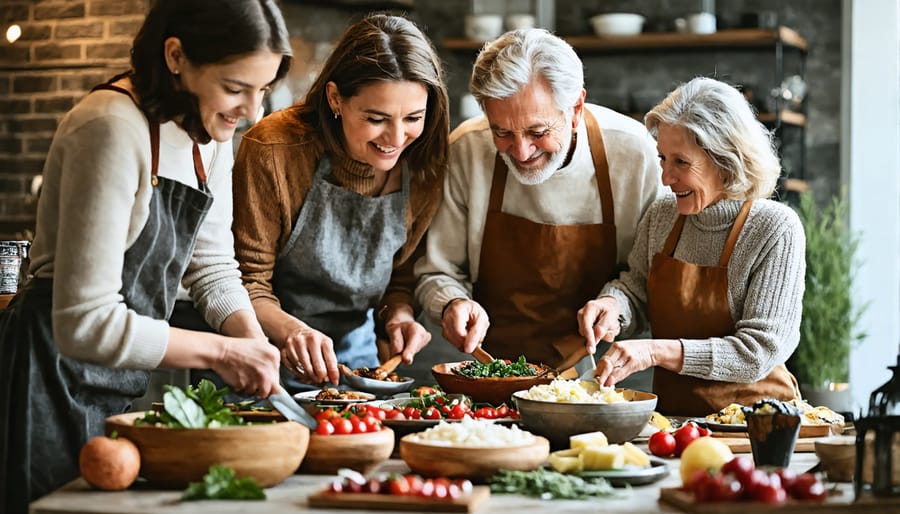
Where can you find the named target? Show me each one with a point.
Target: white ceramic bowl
(617, 24)
(483, 27)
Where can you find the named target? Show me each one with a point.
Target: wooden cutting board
(740, 444)
(838, 501)
(465, 503)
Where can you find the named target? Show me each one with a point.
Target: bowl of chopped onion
(491, 383)
(563, 408)
(474, 449)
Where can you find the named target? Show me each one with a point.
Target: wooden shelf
(788, 117)
(734, 38)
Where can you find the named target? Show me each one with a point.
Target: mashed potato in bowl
(573, 391)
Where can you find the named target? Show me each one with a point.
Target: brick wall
(66, 47)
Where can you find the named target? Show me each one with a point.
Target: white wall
(870, 159)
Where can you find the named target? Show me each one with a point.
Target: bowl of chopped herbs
(195, 429)
(492, 382)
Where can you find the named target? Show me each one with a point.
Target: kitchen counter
(290, 496)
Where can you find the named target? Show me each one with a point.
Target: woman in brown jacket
(333, 195)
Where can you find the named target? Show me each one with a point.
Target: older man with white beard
(523, 255)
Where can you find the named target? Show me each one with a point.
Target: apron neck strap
(674, 234)
(735, 232)
(601, 166)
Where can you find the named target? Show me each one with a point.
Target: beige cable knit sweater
(765, 284)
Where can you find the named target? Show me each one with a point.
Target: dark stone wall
(624, 80)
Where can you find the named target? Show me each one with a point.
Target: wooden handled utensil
(482, 356)
(388, 367)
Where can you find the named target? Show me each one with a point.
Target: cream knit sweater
(94, 202)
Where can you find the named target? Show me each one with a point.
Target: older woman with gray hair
(717, 269)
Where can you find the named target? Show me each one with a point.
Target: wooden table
(290, 496)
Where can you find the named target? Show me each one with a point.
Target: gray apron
(50, 404)
(338, 262)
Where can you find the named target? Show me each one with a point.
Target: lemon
(704, 453)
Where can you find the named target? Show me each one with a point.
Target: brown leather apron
(691, 301)
(534, 277)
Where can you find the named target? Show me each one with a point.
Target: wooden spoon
(388, 367)
(482, 356)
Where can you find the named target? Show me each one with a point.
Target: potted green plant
(829, 327)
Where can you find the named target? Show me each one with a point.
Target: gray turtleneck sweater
(765, 284)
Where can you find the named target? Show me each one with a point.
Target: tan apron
(691, 301)
(535, 277)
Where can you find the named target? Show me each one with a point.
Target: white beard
(539, 177)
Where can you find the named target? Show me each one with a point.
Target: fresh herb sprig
(551, 485)
(497, 368)
(194, 407)
(221, 483)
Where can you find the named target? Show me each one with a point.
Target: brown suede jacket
(273, 172)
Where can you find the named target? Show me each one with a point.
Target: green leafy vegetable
(497, 368)
(221, 483)
(200, 407)
(185, 410)
(549, 485)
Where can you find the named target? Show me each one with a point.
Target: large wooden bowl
(361, 452)
(174, 457)
(493, 390)
(474, 463)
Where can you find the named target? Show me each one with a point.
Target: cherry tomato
(342, 426)
(326, 414)
(415, 483)
(788, 477)
(378, 412)
(703, 431)
(325, 428)
(770, 493)
(685, 436)
(807, 487)
(662, 444)
(458, 411)
(740, 467)
(372, 423)
(427, 488)
(398, 485)
(431, 413)
(424, 391)
(412, 413)
(502, 411)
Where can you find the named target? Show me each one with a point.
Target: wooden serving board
(837, 501)
(466, 503)
(741, 443)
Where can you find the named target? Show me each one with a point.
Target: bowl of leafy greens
(492, 382)
(195, 430)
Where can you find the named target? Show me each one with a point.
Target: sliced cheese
(588, 439)
(596, 458)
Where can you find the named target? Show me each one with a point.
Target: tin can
(10, 266)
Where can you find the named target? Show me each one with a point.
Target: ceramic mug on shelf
(518, 21)
(701, 23)
(483, 27)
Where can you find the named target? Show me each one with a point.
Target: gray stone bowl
(558, 421)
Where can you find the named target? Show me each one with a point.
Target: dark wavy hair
(382, 47)
(211, 31)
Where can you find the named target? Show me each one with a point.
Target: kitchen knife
(288, 408)
(589, 374)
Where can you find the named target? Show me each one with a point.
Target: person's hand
(598, 321)
(249, 366)
(464, 324)
(624, 358)
(405, 334)
(309, 354)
